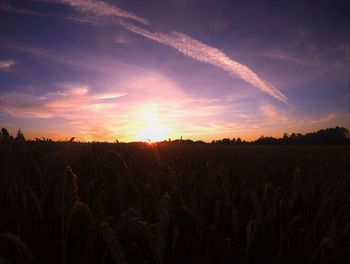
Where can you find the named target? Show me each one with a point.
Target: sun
(151, 134)
(152, 130)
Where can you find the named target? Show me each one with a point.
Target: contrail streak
(205, 53)
(101, 8)
(181, 42)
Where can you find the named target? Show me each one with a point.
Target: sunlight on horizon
(152, 129)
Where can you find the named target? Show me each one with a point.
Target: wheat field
(68, 202)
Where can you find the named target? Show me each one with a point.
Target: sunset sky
(159, 69)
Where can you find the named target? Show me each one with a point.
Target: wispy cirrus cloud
(6, 65)
(101, 8)
(273, 115)
(183, 43)
(65, 99)
(207, 54)
(12, 9)
(286, 56)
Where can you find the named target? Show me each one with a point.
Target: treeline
(328, 136)
(5, 135)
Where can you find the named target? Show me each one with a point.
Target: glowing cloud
(127, 111)
(6, 65)
(101, 8)
(205, 53)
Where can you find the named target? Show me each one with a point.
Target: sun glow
(153, 130)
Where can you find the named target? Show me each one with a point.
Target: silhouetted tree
(329, 136)
(20, 136)
(226, 141)
(4, 133)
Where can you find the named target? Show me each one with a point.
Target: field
(68, 202)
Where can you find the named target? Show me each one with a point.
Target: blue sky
(138, 70)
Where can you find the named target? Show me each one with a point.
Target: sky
(159, 69)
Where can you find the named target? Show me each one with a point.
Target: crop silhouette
(69, 202)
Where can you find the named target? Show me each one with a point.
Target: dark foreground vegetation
(68, 202)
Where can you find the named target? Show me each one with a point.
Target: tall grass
(127, 203)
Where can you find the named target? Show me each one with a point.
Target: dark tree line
(228, 141)
(328, 136)
(5, 135)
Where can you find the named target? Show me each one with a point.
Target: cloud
(272, 115)
(9, 8)
(72, 89)
(286, 55)
(116, 113)
(100, 8)
(66, 99)
(181, 42)
(207, 54)
(123, 38)
(82, 20)
(321, 119)
(6, 65)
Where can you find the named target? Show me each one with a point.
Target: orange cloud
(121, 113)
